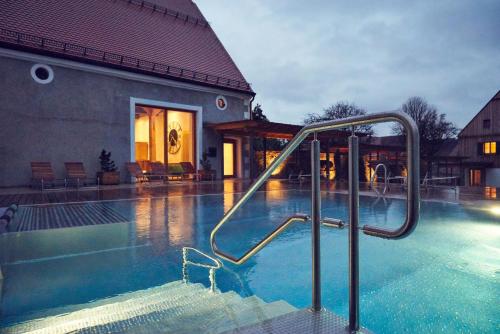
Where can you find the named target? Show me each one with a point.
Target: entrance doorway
(164, 135)
(475, 177)
(229, 157)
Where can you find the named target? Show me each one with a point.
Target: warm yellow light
(228, 159)
(495, 210)
(270, 156)
(490, 147)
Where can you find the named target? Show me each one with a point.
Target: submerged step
(175, 307)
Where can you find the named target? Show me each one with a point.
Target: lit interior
(229, 159)
(490, 147)
(475, 177)
(160, 133)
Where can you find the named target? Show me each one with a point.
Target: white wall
(493, 177)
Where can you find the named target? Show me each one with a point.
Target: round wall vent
(43, 74)
(221, 102)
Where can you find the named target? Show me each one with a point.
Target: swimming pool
(443, 278)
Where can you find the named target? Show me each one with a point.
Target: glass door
(229, 158)
(166, 136)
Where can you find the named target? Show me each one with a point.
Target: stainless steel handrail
(299, 217)
(412, 212)
(413, 194)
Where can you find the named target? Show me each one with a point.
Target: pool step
(171, 308)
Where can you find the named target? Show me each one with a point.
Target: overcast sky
(301, 56)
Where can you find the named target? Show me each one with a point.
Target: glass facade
(166, 136)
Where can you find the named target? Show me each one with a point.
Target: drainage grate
(69, 215)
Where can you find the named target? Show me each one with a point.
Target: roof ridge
(100, 56)
(167, 11)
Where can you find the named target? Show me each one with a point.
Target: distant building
(141, 79)
(479, 141)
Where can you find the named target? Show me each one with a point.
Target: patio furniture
(76, 174)
(157, 171)
(43, 175)
(175, 171)
(136, 171)
(206, 175)
(189, 170)
(300, 177)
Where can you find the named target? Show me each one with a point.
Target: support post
(353, 233)
(251, 158)
(328, 160)
(316, 223)
(264, 153)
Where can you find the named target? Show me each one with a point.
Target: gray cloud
(302, 56)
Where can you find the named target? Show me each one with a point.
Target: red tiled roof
(168, 38)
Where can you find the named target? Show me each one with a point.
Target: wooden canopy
(265, 129)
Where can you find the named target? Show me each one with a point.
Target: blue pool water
(444, 278)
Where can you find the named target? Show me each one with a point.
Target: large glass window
(180, 137)
(149, 134)
(166, 136)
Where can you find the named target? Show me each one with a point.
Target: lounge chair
(300, 177)
(189, 170)
(157, 171)
(136, 171)
(42, 175)
(175, 171)
(76, 174)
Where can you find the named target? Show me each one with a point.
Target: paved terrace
(27, 196)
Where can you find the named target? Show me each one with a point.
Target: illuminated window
(490, 147)
(166, 136)
(229, 158)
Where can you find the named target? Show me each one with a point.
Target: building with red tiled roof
(138, 78)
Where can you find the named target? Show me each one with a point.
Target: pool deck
(28, 196)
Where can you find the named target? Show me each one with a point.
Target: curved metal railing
(412, 211)
(413, 195)
(298, 217)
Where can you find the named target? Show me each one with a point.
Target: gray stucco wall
(80, 113)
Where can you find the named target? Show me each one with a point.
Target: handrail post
(316, 223)
(353, 233)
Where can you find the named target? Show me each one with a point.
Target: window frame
(487, 123)
(489, 148)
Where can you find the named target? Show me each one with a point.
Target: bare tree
(433, 127)
(340, 110)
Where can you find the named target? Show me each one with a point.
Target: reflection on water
(181, 227)
(173, 217)
(447, 268)
(229, 190)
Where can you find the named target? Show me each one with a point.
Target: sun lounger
(76, 175)
(300, 177)
(189, 170)
(175, 171)
(136, 171)
(42, 175)
(157, 171)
